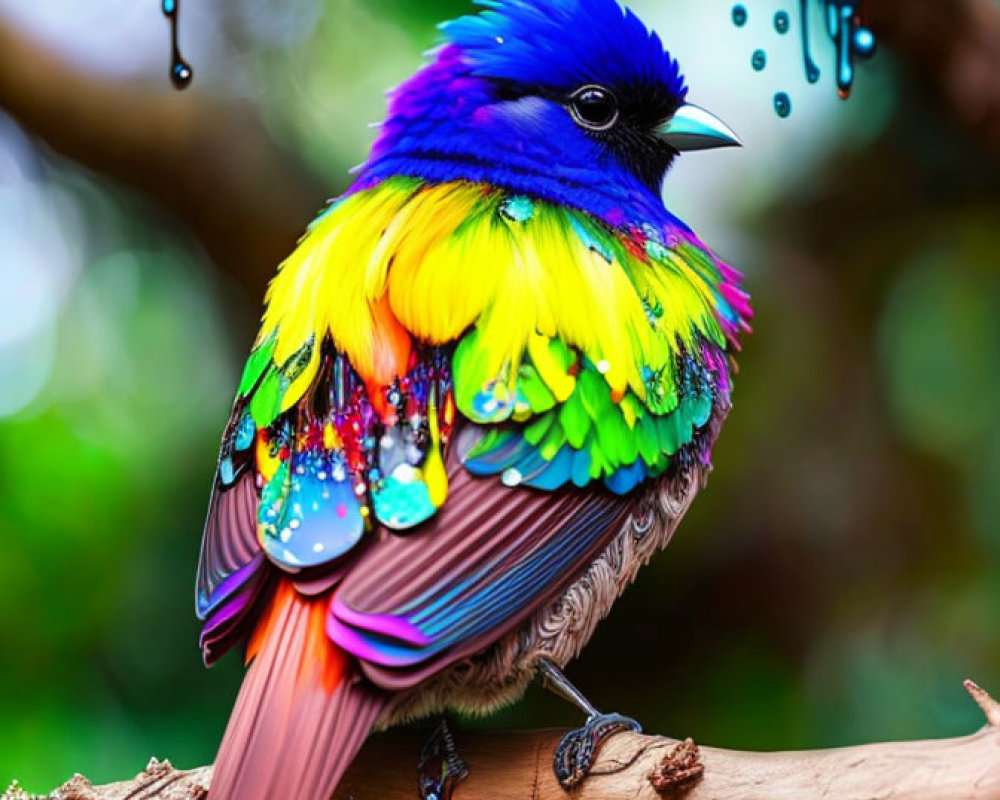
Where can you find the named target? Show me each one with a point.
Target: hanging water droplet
(812, 71)
(851, 39)
(841, 22)
(845, 26)
(180, 74)
(180, 70)
(782, 104)
(864, 42)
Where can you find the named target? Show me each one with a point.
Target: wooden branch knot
(989, 706)
(159, 780)
(77, 788)
(678, 770)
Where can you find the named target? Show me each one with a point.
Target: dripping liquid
(852, 40)
(812, 71)
(180, 70)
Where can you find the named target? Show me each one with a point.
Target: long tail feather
(301, 715)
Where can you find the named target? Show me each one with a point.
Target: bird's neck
(443, 125)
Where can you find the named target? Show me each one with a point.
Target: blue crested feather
(563, 43)
(453, 119)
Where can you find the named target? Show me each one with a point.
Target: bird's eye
(594, 107)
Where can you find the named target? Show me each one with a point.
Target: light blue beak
(693, 128)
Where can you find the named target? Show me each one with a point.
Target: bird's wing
(490, 558)
(232, 569)
(576, 359)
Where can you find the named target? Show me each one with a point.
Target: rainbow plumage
(468, 321)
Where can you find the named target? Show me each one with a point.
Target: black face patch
(643, 108)
(622, 118)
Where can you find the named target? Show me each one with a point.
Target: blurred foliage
(103, 476)
(834, 584)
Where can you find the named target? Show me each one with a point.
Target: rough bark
(517, 766)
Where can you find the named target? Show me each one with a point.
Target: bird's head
(575, 101)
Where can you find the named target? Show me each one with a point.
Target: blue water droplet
(517, 208)
(782, 22)
(758, 60)
(782, 104)
(864, 42)
(740, 15)
(180, 70)
(850, 38)
(180, 74)
(812, 71)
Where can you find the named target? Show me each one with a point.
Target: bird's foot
(440, 768)
(577, 752)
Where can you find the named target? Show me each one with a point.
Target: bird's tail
(301, 715)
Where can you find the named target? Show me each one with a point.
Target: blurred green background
(834, 584)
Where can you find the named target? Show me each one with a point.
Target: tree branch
(516, 766)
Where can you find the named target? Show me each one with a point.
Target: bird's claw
(578, 749)
(440, 768)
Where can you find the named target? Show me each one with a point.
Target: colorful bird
(484, 393)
